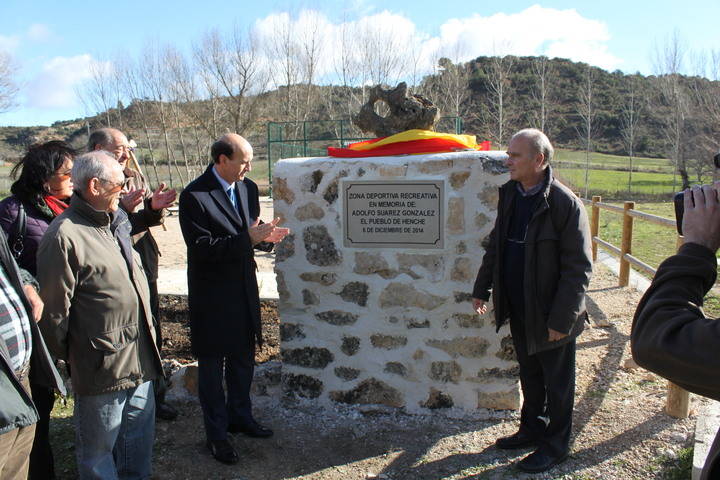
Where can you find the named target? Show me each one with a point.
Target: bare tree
(99, 88)
(630, 114)
(134, 87)
(8, 87)
(587, 113)
(543, 93)
(498, 77)
(232, 66)
(283, 48)
(673, 98)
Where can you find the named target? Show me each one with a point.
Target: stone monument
(375, 282)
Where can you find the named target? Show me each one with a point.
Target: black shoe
(519, 439)
(251, 429)
(165, 411)
(539, 461)
(223, 451)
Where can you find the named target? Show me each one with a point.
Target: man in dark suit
(219, 220)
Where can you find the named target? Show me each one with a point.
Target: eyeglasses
(64, 175)
(116, 186)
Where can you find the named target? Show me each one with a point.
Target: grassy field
(606, 160)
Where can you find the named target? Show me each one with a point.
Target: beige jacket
(97, 312)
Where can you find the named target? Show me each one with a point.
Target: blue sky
(53, 42)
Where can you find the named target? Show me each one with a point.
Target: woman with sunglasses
(39, 194)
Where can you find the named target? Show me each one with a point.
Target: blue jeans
(114, 434)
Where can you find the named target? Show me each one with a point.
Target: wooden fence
(678, 400)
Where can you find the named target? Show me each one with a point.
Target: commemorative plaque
(393, 213)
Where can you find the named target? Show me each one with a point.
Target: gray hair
(101, 136)
(91, 165)
(538, 141)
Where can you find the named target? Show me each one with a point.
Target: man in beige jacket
(97, 318)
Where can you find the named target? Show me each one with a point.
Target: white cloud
(54, 86)
(534, 31)
(39, 32)
(9, 43)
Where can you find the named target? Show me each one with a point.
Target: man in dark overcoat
(538, 264)
(219, 213)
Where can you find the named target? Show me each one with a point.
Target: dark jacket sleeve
(484, 279)
(200, 240)
(671, 335)
(145, 218)
(575, 257)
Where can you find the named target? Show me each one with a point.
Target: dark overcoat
(222, 286)
(558, 264)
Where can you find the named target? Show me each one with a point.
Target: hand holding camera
(701, 222)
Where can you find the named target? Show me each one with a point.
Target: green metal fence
(311, 138)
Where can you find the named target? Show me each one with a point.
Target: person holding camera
(671, 335)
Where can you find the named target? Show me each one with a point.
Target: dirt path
(620, 429)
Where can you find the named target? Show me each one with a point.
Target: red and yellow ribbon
(409, 142)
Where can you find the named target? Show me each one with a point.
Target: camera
(679, 199)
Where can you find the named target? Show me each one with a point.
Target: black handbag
(17, 237)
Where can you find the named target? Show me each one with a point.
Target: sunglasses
(116, 186)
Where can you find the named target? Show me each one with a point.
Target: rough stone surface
(457, 179)
(507, 400)
(495, 166)
(347, 373)
(266, 379)
(445, 371)
(371, 263)
(397, 368)
(393, 171)
(481, 220)
(337, 317)
(492, 374)
(468, 347)
(370, 391)
(299, 385)
(350, 345)
(309, 211)
(461, 248)
(331, 192)
(468, 320)
(418, 355)
(310, 181)
(323, 278)
(435, 166)
(283, 293)
(310, 357)
(388, 342)
(456, 216)
(291, 331)
(309, 298)
(415, 323)
(434, 265)
(285, 249)
(320, 247)
(402, 295)
(462, 297)
(489, 195)
(281, 191)
(507, 349)
(355, 292)
(407, 111)
(462, 270)
(437, 399)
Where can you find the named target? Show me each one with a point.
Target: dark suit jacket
(222, 286)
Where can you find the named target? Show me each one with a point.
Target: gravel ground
(620, 431)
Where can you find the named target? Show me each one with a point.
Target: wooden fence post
(677, 403)
(626, 246)
(595, 224)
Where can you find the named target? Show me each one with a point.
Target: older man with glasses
(97, 318)
(146, 209)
